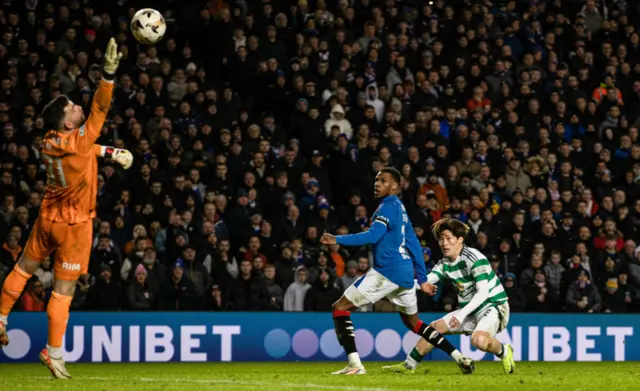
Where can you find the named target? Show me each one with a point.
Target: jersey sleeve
(436, 274)
(83, 138)
(97, 150)
(386, 215)
(480, 270)
(382, 222)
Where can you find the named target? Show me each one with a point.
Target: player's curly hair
(457, 228)
(395, 174)
(53, 113)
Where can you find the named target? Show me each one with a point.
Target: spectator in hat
(182, 295)
(324, 218)
(294, 298)
(613, 299)
(339, 119)
(583, 296)
(372, 97)
(309, 196)
(105, 294)
(140, 297)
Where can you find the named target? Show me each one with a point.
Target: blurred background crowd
(258, 125)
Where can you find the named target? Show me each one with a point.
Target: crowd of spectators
(257, 125)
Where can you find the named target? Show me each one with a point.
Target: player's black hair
(395, 174)
(456, 227)
(53, 113)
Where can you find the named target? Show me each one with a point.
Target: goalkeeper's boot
(508, 364)
(351, 370)
(466, 365)
(4, 337)
(55, 365)
(399, 368)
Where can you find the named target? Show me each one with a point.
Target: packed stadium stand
(259, 125)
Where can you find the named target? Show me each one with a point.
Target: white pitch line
(248, 383)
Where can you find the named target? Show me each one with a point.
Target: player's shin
(346, 336)
(436, 339)
(11, 291)
(58, 314)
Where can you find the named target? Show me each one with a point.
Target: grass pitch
(431, 376)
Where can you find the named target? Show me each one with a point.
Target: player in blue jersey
(398, 262)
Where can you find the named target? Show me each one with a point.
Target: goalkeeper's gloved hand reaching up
(123, 157)
(111, 58)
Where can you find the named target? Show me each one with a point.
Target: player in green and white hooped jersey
(484, 307)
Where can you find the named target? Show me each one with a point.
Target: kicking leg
(432, 337)
(11, 291)
(346, 336)
(58, 314)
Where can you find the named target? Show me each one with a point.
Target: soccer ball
(148, 26)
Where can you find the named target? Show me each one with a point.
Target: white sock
(456, 355)
(410, 363)
(3, 319)
(354, 360)
(55, 353)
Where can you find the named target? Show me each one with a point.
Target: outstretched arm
(372, 236)
(88, 133)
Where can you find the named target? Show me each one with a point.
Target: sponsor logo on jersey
(72, 267)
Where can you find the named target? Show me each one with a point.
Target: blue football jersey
(396, 250)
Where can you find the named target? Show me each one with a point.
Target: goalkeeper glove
(121, 156)
(112, 58)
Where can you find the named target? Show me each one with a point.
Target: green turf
(315, 376)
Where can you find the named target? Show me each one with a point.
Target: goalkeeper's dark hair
(456, 227)
(395, 174)
(53, 113)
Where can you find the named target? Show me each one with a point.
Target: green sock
(415, 354)
(413, 359)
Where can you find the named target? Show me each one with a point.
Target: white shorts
(373, 286)
(491, 320)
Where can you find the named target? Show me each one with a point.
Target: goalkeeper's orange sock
(11, 290)
(58, 313)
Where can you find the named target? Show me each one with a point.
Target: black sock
(501, 354)
(346, 333)
(434, 338)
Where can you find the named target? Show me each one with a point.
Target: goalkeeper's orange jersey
(72, 165)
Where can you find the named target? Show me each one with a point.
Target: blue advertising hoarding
(214, 337)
